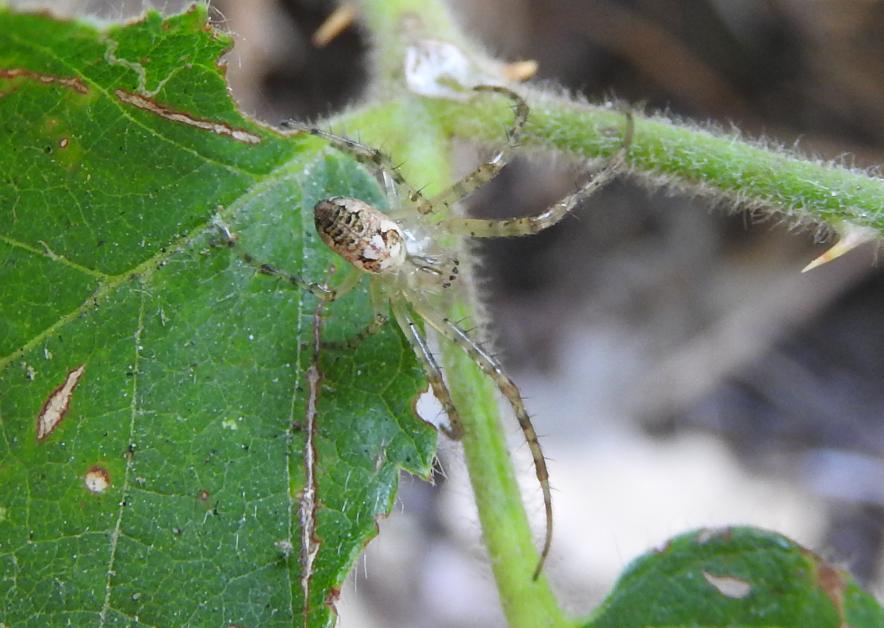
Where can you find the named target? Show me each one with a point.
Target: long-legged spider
(412, 274)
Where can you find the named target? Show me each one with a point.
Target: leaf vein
(115, 534)
(55, 257)
(124, 111)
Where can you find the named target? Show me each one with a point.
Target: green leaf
(736, 576)
(170, 490)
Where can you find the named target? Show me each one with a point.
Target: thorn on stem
(851, 236)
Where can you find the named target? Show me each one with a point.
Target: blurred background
(680, 368)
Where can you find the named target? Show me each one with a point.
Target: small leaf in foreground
(736, 576)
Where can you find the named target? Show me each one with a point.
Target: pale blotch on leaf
(97, 479)
(229, 424)
(708, 534)
(285, 547)
(219, 128)
(729, 586)
(3, 512)
(56, 405)
(47, 79)
(429, 409)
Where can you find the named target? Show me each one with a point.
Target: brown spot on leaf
(73, 83)
(219, 128)
(831, 581)
(729, 586)
(97, 479)
(334, 594)
(711, 534)
(203, 495)
(56, 405)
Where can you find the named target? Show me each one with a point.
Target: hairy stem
(423, 146)
(725, 167)
(505, 527)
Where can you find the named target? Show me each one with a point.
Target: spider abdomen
(361, 234)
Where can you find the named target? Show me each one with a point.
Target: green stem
(694, 160)
(423, 146)
(505, 527)
(747, 174)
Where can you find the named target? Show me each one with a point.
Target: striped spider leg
(528, 225)
(412, 274)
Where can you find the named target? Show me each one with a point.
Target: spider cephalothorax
(410, 269)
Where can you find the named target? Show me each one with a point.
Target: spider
(413, 275)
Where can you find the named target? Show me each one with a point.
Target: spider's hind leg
(484, 228)
(434, 373)
(492, 368)
(378, 319)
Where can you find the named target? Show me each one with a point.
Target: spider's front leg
(485, 171)
(492, 368)
(368, 156)
(483, 228)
